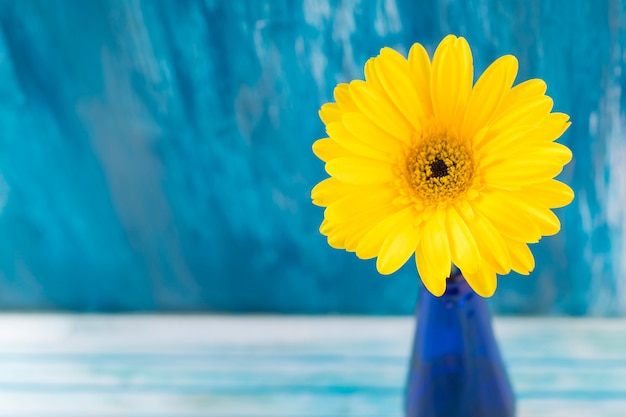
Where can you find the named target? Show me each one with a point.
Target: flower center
(439, 169)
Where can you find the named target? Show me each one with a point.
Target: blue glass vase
(456, 368)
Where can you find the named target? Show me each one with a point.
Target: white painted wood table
(260, 366)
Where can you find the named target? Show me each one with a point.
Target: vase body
(456, 369)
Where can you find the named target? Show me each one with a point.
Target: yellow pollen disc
(439, 169)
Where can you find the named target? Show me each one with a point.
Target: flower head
(424, 161)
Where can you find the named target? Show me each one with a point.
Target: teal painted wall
(155, 155)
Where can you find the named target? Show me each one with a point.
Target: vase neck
(458, 293)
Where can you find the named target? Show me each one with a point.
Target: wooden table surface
(269, 366)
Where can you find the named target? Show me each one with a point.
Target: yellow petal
(463, 247)
(530, 112)
(434, 259)
(546, 220)
(554, 125)
(370, 245)
(363, 222)
(530, 154)
(535, 152)
(490, 144)
(369, 133)
(329, 190)
(376, 106)
(431, 273)
(465, 209)
(337, 239)
(330, 112)
(518, 143)
(399, 245)
(370, 71)
(354, 170)
(511, 174)
(548, 223)
(464, 55)
(451, 80)
(550, 194)
(326, 227)
(506, 216)
(338, 132)
(343, 209)
(393, 71)
(522, 92)
(483, 282)
(344, 99)
(491, 245)
(327, 149)
(522, 260)
(419, 66)
(488, 93)
(347, 233)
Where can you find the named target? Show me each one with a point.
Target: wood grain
(265, 366)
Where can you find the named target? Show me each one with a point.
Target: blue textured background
(155, 155)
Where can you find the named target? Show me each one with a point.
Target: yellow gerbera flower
(422, 161)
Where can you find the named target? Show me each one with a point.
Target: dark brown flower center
(438, 168)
